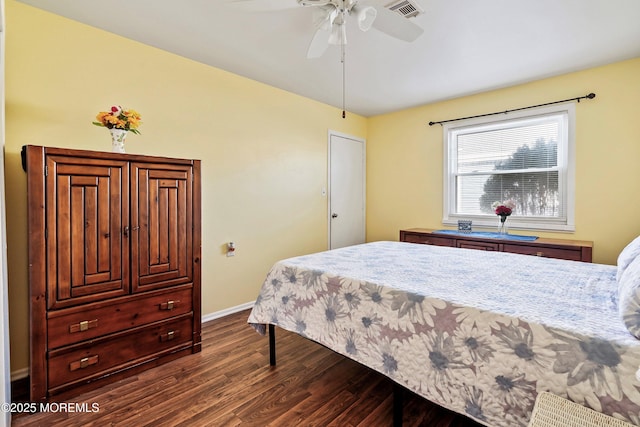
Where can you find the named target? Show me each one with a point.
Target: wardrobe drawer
(103, 356)
(73, 325)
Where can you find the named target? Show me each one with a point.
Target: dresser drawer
(483, 246)
(428, 239)
(547, 252)
(74, 325)
(103, 356)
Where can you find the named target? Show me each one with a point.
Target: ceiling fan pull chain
(343, 53)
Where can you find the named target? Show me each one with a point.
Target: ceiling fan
(330, 19)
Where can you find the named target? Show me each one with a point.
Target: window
(527, 157)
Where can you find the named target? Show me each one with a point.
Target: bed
(480, 333)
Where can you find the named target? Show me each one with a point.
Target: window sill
(512, 224)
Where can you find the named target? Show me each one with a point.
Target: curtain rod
(589, 96)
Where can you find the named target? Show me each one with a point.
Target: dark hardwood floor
(230, 383)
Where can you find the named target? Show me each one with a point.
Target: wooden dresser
(576, 250)
(114, 266)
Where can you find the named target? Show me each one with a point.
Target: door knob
(334, 215)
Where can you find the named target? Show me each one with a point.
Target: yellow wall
(263, 150)
(405, 164)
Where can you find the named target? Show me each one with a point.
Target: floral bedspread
(480, 333)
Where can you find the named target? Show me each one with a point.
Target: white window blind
(525, 159)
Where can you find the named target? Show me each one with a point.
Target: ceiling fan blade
(397, 26)
(323, 22)
(263, 5)
(314, 2)
(319, 43)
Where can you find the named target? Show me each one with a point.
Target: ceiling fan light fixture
(366, 16)
(338, 34)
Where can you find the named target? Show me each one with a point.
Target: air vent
(406, 8)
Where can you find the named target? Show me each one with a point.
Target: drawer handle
(169, 305)
(539, 253)
(83, 363)
(85, 325)
(171, 335)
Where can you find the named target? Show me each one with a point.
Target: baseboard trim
(227, 311)
(19, 374)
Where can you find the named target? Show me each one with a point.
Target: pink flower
(503, 210)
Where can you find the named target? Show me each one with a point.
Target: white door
(346, 191)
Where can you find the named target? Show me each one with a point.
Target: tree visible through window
(526, 159)
(535, 193)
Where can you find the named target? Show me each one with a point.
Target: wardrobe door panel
(162, 225)
(87, 217)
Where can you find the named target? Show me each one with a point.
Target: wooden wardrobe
(114, 265)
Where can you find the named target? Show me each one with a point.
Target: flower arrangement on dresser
(119, 122)
(503, 210)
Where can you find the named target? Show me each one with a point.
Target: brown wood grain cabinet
(576, 250)
(114, 265)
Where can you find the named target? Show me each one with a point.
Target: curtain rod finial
(591, 95)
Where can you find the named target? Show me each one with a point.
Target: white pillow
(628, 254)
(629, 297)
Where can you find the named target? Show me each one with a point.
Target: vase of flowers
(119, 122)
(118, 137)
(503, 210)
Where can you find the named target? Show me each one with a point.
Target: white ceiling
(468, 46)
